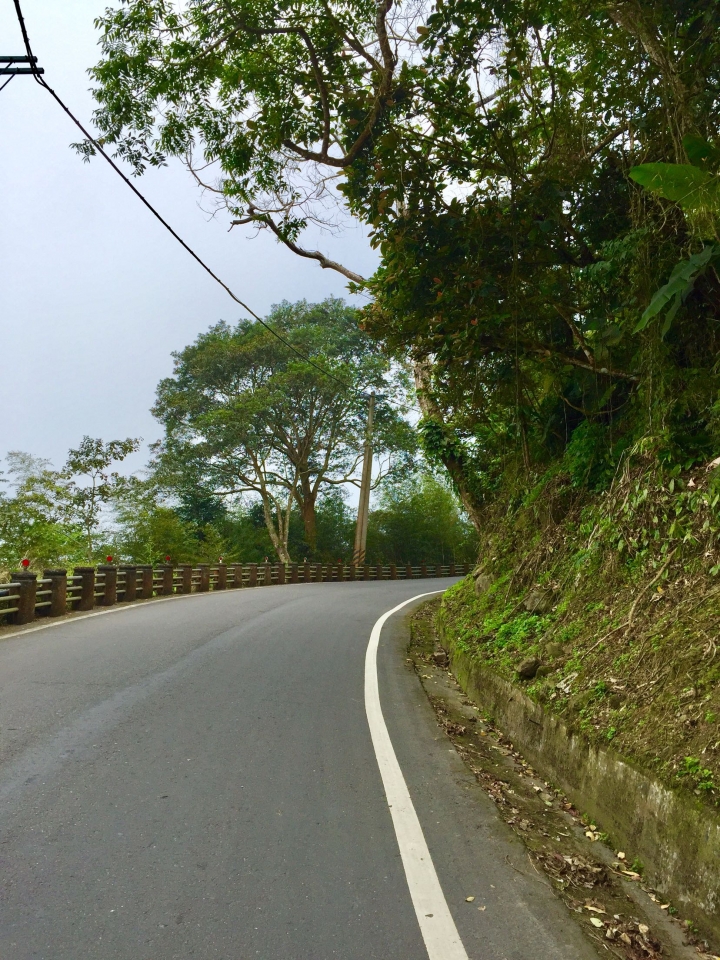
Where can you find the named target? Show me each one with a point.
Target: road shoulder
(513, 912)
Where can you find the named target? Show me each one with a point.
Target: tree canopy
(540, 179)
(243, 414)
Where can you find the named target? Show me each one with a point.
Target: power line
(151, 208)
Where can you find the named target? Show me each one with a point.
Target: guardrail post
(378, 571)
(186, 578)
(204, 584)
(318, 573)
(408, 571)
(366, 572)
(267, 575)
(58, 591)
(294, 578)
(281, 573)
(168, 585)
(252, 575)
(451, 571)
(340, 571)
(306, 572)
(146, 581)
(130, 571)
(86, 600)
(351, 572)
(27, 596)
(221, 582)
(109, 597)
(393, 572)
(423, 570)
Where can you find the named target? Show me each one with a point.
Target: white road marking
(437, 926)
(64, 621)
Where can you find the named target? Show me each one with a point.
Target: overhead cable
(41, 80)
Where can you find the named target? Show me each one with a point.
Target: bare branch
(325, 262)
(608, 139)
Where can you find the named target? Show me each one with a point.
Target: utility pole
(8, 66)
(364, 504)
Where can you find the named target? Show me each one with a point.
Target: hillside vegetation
(609, 601)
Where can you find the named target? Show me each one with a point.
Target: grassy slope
(627, 641)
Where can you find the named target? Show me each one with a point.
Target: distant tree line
(260, 447)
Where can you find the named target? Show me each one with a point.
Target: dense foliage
(541, 180)
(53, 517)
(243, 414)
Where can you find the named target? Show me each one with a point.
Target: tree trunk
(278, 541)
(453, 463)
(306, 498)
(635, 19)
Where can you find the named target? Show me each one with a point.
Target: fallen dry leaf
(596, 922)
(469, 899)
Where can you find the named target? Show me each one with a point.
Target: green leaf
(674, 181)
(675, 291)
(696, 191)
(699, 152)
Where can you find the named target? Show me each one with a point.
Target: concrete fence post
(146, 581)
(86, 600)
(267, 575)
(306, 572)
(366, 572)
(221, 583)
(130, 571)
(451, 571)
(252, 575)
(351, 572)
(318, 573)
(168, 585)
(423, 570)
(58, 591)
(204, 584)
(281, 573)
(27, 591)
(294, 578)
(186, 577)
(393, 572)
(235, 576)
(408, 571)
(340, 571)
(109, 597)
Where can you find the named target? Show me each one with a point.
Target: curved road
(195, 778)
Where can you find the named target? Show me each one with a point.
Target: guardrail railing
(26, 598)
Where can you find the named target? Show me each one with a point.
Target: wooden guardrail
(28, 597)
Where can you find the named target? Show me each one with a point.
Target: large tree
(244, 414)
(496, 152)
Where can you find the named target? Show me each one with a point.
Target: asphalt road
(196, 778)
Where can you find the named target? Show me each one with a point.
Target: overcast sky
(94, 294)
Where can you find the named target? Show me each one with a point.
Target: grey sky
(94, 294)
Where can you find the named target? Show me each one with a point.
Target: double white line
(436, 923)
